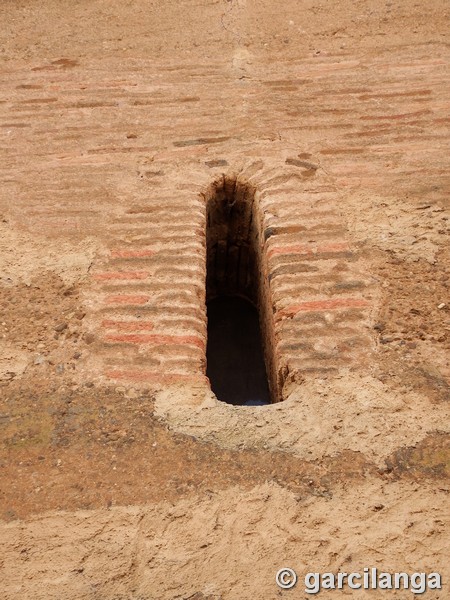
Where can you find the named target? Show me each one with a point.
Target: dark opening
(234, 355)
(235, 352)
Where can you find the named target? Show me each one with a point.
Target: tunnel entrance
(237, 354)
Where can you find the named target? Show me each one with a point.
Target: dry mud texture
(125, 491)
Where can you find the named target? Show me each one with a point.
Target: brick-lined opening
(240, 364)
(277, 227)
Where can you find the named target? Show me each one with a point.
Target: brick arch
(149, 291)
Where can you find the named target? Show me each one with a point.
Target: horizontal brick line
(125, 299)
(159, 289)
(158, 310)
(345, 342)
(162, 103)
(149, 356)
(164, 353)
(330, 331)
(336, 282)
(38, 101)
(126, 362)
(383, 130)
(303, 200)
(341, 150)
(148, 365)
(294, 258)
(319, 305)
(185, 250)
(319, 357)
(421, 63)
(278, 257)
(309, 358)
(120, 275)
(16, 125)
(162, 279)
(398, 116)
(307, 249)
(145, 240)
(160, 315)
(186, 221)
(58, 213)
(340, 358)
(347, 317)
(309, 192)
(128, 325)
(117, 150)
(195, 332)
(190, 208)
(189, 262)
(296, 264)
(291, 214)
(156, 377)
(394, 94)
(156, 232)
(313, 370)
(310, 291)
(93, 104)
(330, 229)
(307, 220)
(157, 340)
(297, 291)
(175, 208)
(170, 224)
(125, 253)
(179, 362)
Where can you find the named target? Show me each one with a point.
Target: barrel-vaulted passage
(240, 362)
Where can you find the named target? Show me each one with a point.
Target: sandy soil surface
(227, 541)
(120, 492)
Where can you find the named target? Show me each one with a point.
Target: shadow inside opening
(236, 355)
(235, 359)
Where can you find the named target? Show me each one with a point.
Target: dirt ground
(129, 492)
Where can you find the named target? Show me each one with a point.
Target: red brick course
(320, 305)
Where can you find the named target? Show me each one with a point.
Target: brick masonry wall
(149, 291)
(126, 151)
